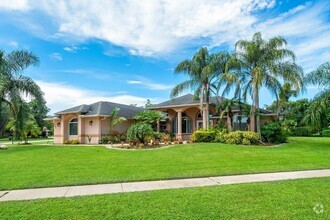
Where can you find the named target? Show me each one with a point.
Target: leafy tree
(265, 63)
(13, 85)
(39, 110)
(148, 104)
(114, 120)
(318, 113)
(203, 70)
(139, 132)
(150, 116)
(23, 124)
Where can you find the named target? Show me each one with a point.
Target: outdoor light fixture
(58, 124)
(90, 122)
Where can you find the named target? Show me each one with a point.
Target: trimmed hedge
(302, 131)
(203, 136)
(325, 133)
(241, 137)
(234, 137)
(272, 132)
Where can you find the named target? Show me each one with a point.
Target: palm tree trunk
(207, 106)
(256, 108)
(229, 125)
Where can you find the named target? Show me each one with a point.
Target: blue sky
(125, 51)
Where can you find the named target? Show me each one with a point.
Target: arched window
(73, 127)
(186, 125)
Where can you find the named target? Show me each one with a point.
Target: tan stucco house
(184, 117)
(92, 120)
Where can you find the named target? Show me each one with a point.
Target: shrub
(241, 137)
(139, 132)
(204, 135)
(71, 142)
(157, 135)
(165, 137)
(110, 139)
(303, 131)
(272, 132)
(288, 125)
(325, 133)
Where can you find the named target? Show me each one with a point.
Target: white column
(63, 134)
(80, 130)
(179, 135)
(204, 119)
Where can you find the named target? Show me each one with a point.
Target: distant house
(184, 117)
(90, 120)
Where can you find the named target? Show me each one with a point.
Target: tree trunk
(207, 107)
(229, 125)
(256, 115)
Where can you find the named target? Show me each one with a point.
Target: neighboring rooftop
(103, 109)
(188, 99)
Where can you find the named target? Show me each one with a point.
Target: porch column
(80, 130)
(204, 119)
(179, 135)
(158, 125)
(63, 135)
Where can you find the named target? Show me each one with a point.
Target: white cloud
(74, 49)
(13, 44)
(149, 84)
(21, 5)
(56, 56)
(134, 82)
(60, 96)
(148, 27)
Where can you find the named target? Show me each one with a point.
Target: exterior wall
(120, 129)
(94, 127)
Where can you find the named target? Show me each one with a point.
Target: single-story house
(92, 120)
(184, 117)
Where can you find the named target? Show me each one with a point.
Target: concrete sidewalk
(71, 191)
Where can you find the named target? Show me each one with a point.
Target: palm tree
(114, 120)
(316, 114)
(265, 63)
(13, 85)
(203, 71)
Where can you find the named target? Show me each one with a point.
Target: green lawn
(6, 140)
(291, 199)
(43, 166)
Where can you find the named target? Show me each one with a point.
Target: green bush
(157, 135)
(241, 137)
(325, 133)
(204, 135)
(272, 132)
(110, 139)
(139, 132)
(302, 131)
(71, 142)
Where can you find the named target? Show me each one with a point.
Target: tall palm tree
(316, 114)
(114, 120)
(265, 63)
(13, 85)
(203, 70)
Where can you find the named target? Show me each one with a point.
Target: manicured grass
(43, 166)
(292, 199)
(6, 140)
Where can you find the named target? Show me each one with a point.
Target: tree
(139, 132)
(148, 104)
(149, 116)
(13, 85)
(23, 124)
(39, 110)
(265, 63)
(114, 120)
(203, 71)
(318, 113)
